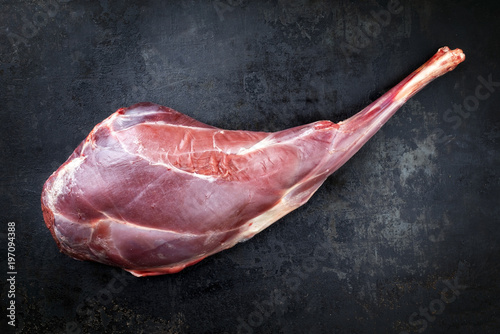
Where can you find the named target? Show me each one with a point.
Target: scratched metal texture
(403, 238)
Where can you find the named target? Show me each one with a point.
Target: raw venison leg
(152, 190)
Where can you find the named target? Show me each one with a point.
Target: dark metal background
(404, 237)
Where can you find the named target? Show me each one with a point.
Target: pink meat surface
(152, 191)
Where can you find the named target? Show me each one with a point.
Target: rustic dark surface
(404, 237)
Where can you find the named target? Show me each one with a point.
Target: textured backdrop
(403, 238)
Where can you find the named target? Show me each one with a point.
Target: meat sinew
(153, 191)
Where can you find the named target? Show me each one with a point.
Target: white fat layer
(112, 220)
(264, 143)
(64, 179)
(266, 219)
(270, 141)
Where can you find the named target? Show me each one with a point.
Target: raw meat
(153, 191)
